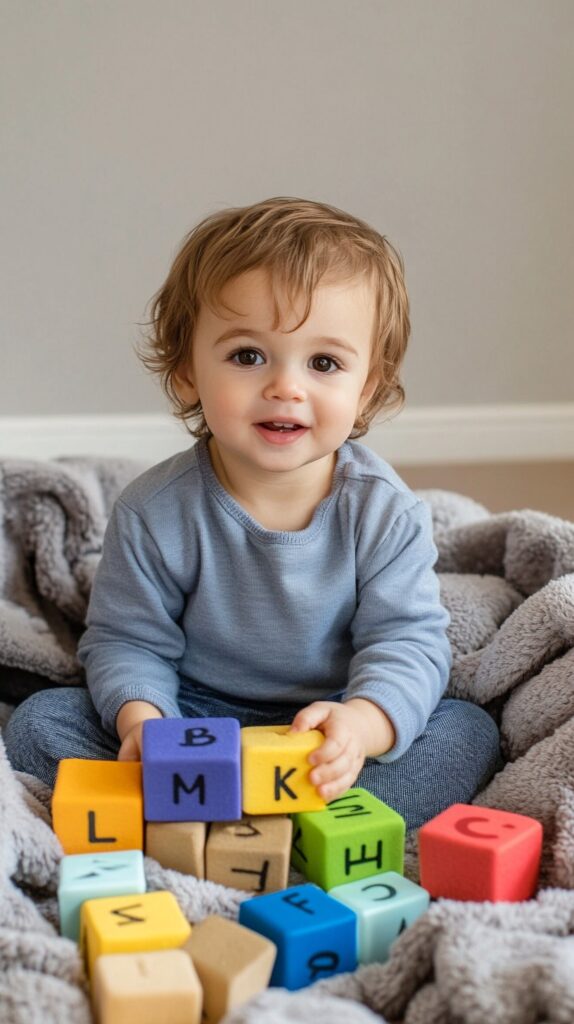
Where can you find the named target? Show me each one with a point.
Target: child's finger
(332, 771)
(310, 717)
(331, 790)
(330, 750)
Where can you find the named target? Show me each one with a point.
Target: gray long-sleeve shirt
(191, 588)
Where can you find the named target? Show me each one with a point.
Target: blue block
(191, 769)
(315, 935)
(87, 876)
(385, 905)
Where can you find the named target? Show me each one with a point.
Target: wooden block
(356, 835)
(385, 905)
(97, 806)
(252, 854)
(233, 964)
(131, 924)
(276, 769)
(86, 876)
(315, 935)
(191, 769)
(146, 988)
(179, 845)
(480, 853)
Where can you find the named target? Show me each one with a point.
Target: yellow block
(97, 806)
(146, 988)
(275, 770)
(131, 924)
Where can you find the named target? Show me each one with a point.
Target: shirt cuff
(397, 712)
(110, 709)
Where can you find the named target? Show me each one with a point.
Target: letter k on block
(275, 770)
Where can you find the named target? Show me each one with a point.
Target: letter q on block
(480, 853)
(276, 771)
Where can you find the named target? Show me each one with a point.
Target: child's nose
(285, 385)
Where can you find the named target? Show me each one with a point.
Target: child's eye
(245, 357)
(325, 364)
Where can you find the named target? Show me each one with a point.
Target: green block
(354, 837)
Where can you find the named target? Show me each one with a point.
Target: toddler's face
(277, 401)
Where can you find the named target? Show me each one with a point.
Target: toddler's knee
(475, 731)
(32, 734)
(26, 725)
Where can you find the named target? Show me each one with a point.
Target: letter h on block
(356, 835)
(191, 769)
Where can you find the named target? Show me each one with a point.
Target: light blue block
(86, 876)
(316, 936)
(385, 905)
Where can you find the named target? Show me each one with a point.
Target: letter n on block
(276, 770)
(131, 924)
(97, 806)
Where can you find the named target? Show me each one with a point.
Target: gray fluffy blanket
(508, 582)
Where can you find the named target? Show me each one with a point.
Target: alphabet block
(85, 876)
(191, 769)
(385, 905)
(179, 845)
(146, 988)
(131, 924)
(354, 837)
(251, 854)
(276, 770)
(480, 853)
(315, 935)
(97, 806)
(233, 964)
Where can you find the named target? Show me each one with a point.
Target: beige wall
(445, 123)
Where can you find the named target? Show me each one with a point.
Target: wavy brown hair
(300, 242)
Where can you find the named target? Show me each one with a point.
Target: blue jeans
(455, 756)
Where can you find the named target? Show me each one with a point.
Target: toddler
(277, 571)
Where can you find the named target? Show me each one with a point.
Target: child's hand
(131, 748)
(129, 725)
(353, 731)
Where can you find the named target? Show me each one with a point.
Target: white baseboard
(419, 436)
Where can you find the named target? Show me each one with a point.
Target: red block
(480, 853)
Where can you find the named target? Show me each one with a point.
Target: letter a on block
(97, 806)
(275, 770)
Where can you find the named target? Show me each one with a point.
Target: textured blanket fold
(508, 582)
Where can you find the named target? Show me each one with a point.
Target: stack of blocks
(215, 801)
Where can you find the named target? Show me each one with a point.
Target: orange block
(480, 853)
(97, 806)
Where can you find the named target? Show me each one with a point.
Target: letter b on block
(191, 769)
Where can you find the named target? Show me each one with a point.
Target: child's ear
(184, 387)
(368, 391)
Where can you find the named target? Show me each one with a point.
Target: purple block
(191, 769)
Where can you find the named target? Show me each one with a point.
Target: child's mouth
(280, 433)
(281, 426)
